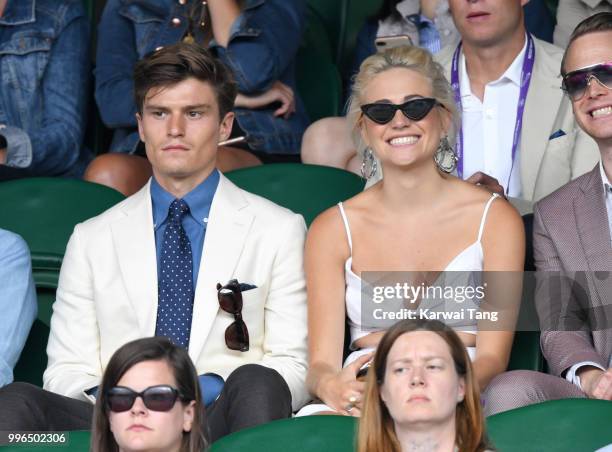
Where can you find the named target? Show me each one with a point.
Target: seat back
(556, 426)
(304, 189)
(301, 434)
(44, 212)
(353, 16)
(318, 79)
(526, 353)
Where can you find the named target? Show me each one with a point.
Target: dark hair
(376, 427)
(150, 349)
(387, 9)
(173, 64)
(592, 24)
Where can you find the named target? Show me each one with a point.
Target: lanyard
(524, 88)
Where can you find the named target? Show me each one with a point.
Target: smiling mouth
(603, 111)
(403, 141)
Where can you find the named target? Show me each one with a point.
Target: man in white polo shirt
(517, 127)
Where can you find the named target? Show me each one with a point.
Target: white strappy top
(468, 260)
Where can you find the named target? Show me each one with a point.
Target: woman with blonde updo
(419, 218)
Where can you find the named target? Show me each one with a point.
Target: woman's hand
(342, 391)
(279, 92)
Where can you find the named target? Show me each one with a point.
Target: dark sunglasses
(230, 300)
(414, 109)
(575, 83)
(155, 398)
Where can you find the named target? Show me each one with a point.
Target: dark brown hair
(376, 427)
(150, 349)
(592, 24)
(173, 64)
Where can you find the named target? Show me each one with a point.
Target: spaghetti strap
(484, 215)
(346, 226)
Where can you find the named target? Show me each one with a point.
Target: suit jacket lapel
(228, 226)
(592, 222)
(135, 248)
(593, 231)
(544, 97)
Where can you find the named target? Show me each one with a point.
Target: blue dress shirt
(429, 38)
(199, 201)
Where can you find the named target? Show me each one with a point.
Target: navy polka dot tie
(175, 289)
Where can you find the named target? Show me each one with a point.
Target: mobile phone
(389, 42)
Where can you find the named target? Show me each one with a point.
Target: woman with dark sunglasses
(149, 400)
(418, 219)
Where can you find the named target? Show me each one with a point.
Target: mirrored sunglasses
(575, 83)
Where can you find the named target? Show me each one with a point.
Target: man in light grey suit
(572, 247)
(191, 257)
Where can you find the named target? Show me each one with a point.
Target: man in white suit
(164, 261)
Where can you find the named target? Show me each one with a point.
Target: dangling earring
(369, 165)
(445, 157)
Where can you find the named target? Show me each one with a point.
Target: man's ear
(225, 128)
(140, 131)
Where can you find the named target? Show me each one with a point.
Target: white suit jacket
(107, 293)
(546, 163)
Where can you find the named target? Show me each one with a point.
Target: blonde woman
(418, 218)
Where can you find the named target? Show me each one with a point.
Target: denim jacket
(44, 69)
(262, 47)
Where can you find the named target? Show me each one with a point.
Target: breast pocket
(147, 22)
(24, 59)
(561, 148)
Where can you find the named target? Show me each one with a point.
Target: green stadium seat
(353, 15)
(526, 352)
(303, 434)
(33, 360)
(304, 189)
(318, 79)
(44, 212)
(329, 13)
(566, 425)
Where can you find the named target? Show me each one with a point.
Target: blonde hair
(407, 57)
(376, 427)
